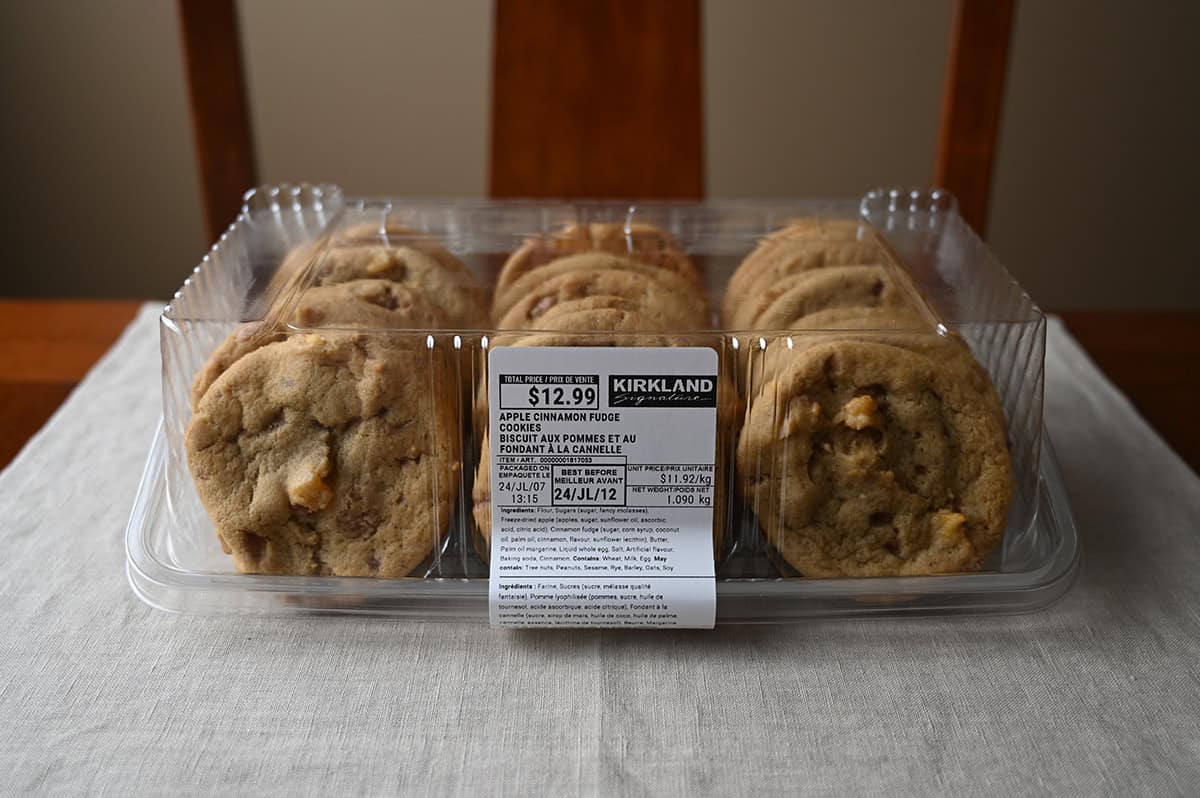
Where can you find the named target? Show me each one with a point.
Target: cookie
(659, 306)
(638, 241)
(902, 327)
(373, 304)
(601, 321)
(544, 320)
(378, 304)
(791, 299)
(864, 459)
(328, 454)
(675, 289)
(825, 229)
(420, 265)
(455, 291)
(481, 498)
(883, 318)
(772, 272)
(243, 340)
(799, 248)
(394, 235)
(435, 283)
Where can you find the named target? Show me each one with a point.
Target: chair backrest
(972, 101)
(576, 115)
(597, 99)
(212, 56)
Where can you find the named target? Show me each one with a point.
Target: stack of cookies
(874, 444)
(334, 451)
(808, 265)
(326, 441)
(639, 263)
(634, 281)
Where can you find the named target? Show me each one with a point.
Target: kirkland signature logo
(648, 390)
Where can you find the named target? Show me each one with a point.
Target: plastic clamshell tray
(175, 563)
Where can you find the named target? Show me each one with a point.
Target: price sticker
(602, 486)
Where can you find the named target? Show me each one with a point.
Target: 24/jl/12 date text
(587, 495)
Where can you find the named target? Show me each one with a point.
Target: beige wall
(385, 98)
(821, 99)
(1097, 173)
(100, 195)
(818, 98)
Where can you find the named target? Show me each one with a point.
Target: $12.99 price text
(558, 396)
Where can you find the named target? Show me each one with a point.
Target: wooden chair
(641, 132)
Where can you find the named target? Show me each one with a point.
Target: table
(1098, 694)
(46, 346)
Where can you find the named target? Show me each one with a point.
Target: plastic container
(175, 562)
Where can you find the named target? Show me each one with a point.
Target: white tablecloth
(101, 694)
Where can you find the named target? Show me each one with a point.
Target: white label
(602, 486)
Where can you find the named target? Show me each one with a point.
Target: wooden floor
(46, 347)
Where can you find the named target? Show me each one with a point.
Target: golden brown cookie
(481, 497)
(638, 241)
(378, 304)
(659, 306)
(803, 246)
(395, 235)
(781, 306)
(394, 253)
(455, 291)
(246, 338)
(602, 320)
(372, 304)
(328, 454)
(544, 319)
(823, 228)
(864, 459)
(435, 282)
(675, 290)
(902, 327)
